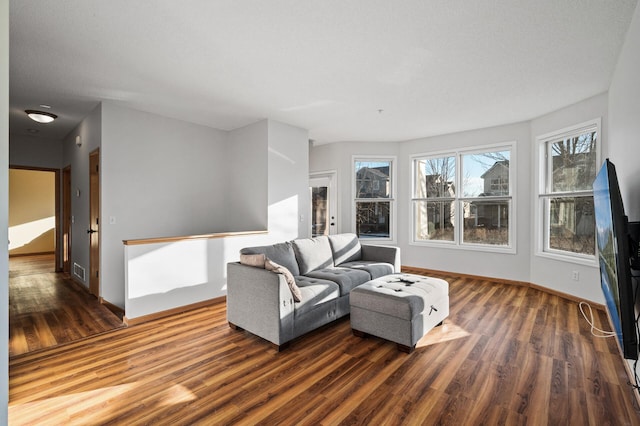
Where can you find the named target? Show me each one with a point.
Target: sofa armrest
(260, 302)
(388, 254)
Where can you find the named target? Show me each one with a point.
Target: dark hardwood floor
(46, 309)
(506, 355)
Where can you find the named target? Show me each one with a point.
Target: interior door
(323, 204)
(94, 223)
(66, 220)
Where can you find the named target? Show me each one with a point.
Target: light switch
(112, 220)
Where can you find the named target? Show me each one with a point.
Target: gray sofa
(325, 270)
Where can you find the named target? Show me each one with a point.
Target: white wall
(524, 265)
(165, 276)
(512, 266)
(32, 151)
(624, 124)
(246, 196)
(160, 177)
(4, 209)
(624, 113)
(556, 274)
(338, 157)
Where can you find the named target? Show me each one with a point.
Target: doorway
(66, 220)
(323, 188)
(34, 220)
(94, 223)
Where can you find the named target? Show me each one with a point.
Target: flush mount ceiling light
(41, 116)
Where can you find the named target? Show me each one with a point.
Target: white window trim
(393, 199)
(541, 180)
(457, 243)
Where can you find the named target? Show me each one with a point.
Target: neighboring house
(492, 214)
(573, 170)
(373, 183)
(496, 179)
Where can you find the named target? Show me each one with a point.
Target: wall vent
(78, 271)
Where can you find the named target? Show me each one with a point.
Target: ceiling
(358, 70)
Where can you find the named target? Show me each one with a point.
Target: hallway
(47, 309)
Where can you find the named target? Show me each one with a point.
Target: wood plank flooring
(506, 355)
(46, 309)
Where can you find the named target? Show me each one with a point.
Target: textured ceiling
(328, 66)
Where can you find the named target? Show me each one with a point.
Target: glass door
(323, 205)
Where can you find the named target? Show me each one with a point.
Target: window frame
(392, 199)
(544, 194)
(459, 199)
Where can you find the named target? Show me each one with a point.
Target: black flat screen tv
(614, 253)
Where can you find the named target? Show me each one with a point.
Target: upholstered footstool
(400, 307)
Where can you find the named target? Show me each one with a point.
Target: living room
(164, 176)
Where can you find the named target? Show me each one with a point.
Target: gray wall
(554, 273)
(4, 209)
(78, 158)
(32, 151)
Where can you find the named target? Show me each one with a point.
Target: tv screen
(614, 258)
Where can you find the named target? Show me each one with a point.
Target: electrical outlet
(575, 275)
(112, 220)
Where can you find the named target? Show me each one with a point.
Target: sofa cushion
(346, 278)
(281, 253)
(314, 292)
(312, 254)
(272, 266)
(345, 248)
(375, 269)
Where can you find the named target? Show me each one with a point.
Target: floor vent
(78, 271)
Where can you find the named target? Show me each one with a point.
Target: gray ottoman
(400, 307)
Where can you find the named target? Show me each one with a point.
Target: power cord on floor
(605, 334)
(636, 385)
(591, 321)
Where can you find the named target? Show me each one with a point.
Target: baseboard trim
(117, 310)
(39, 253)
(505, 281)
(180, 309)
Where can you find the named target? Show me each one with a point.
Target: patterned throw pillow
(256, 260)
(279, 269)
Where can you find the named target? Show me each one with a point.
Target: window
(463, 198)
(374, 204)
(568, 165)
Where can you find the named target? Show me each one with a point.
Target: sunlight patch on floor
(444, 333)
(83, 405)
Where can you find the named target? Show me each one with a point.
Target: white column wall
(288, 178)
(246, 196)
